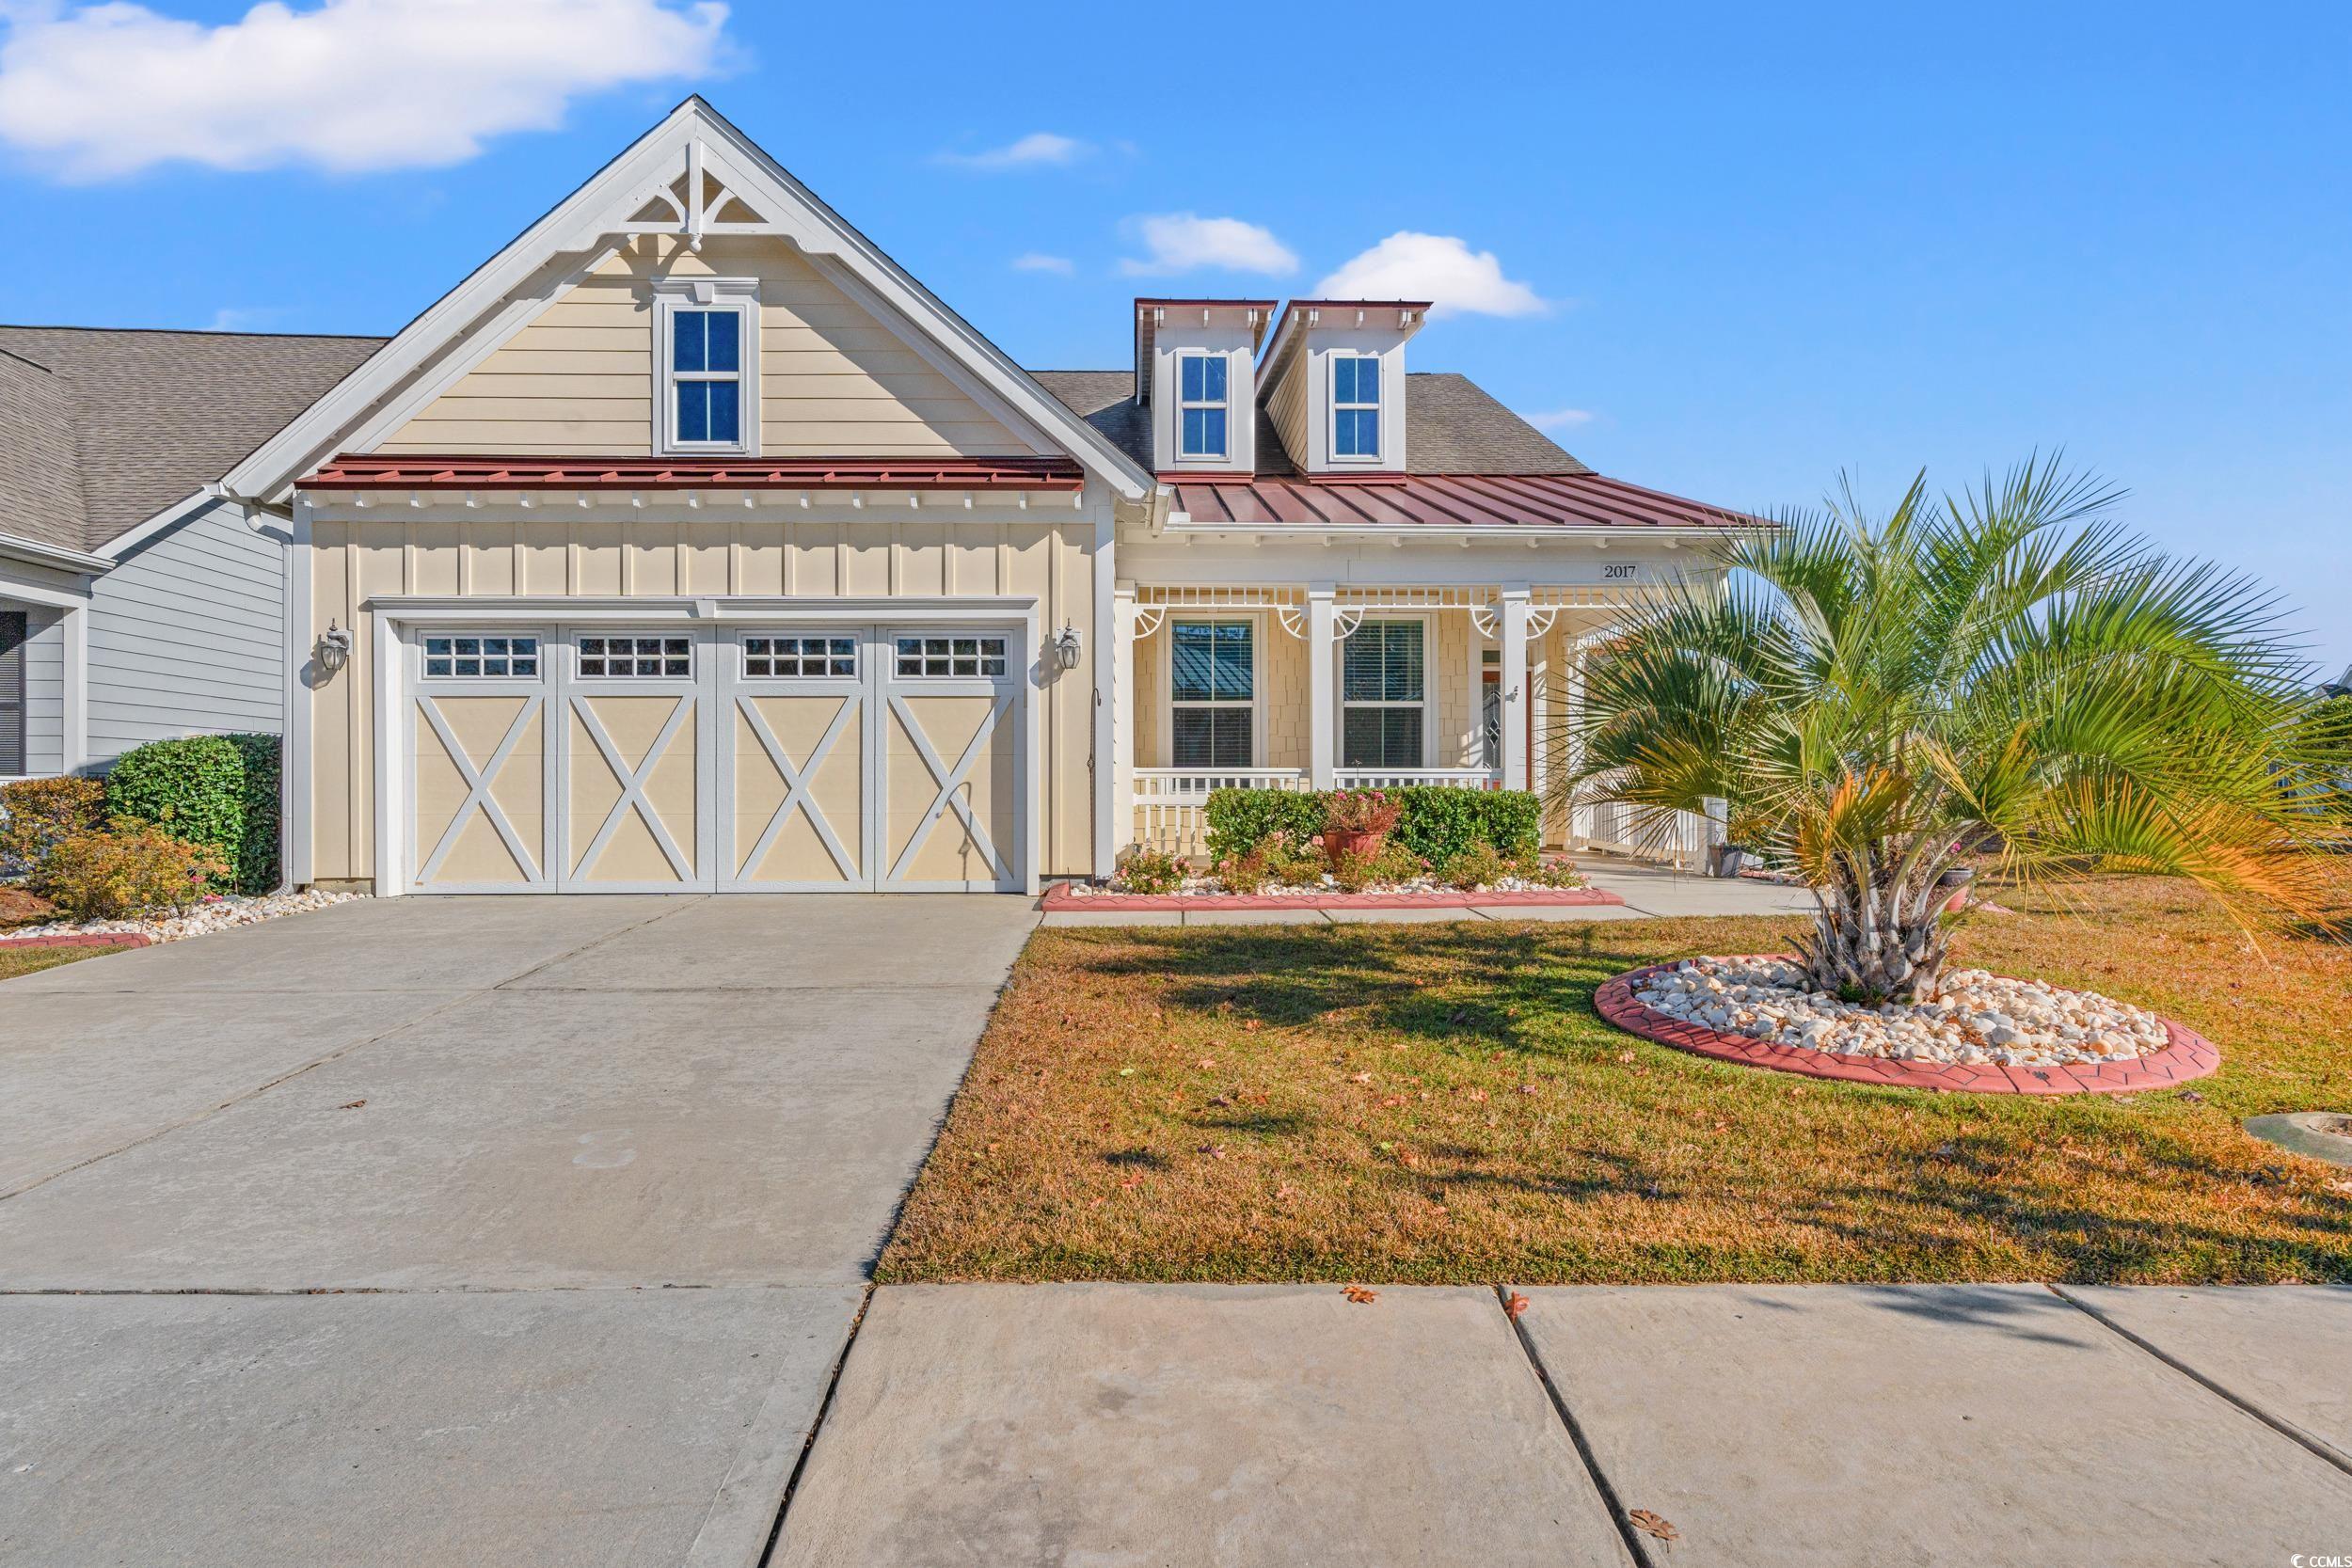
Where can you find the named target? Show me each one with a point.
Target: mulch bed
(2190, 1056)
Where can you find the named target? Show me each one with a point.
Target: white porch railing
(1681, 838)
(1420, 778)
(1170, 802)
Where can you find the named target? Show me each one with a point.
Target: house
(692, 544)
(136, 605)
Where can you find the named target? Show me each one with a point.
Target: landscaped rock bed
(214, 915)
(1983, 1034)
(1329, 887)
(1979, 1017)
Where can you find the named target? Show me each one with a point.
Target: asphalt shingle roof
(40, 473)
(156, 416)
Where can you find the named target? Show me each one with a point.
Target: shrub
(130, 868)
(1241, 819)
(1438, 823)
(215, 790)
(1480, 865)
(1292, 860)
(1434, 822)
(39, 811)
(1151, 871)
(1358, 811)
(1247, 872)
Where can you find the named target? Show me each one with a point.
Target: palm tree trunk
(1877, 936)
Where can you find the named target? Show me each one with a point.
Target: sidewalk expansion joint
(2284, 1429)
(1626, 1532)
(816, 1427)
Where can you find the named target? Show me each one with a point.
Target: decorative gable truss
(691, 178)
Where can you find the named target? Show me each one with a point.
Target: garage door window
(499, 658)
(799, 657)
(951, 655)
(636, 657)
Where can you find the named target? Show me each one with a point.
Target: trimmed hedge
(215, 790)
(1434, 822)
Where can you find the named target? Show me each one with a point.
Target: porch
(1320, 686)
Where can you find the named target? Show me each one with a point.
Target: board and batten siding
(913, 557)
(578, 379)
(186, 636)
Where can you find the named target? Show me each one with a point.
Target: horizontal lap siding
(44, 688)
(186, 636)
(915, 557)
(579, 380)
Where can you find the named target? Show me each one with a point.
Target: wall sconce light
(333, 648)
(1066, 646)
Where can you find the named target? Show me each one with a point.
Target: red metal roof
(441, 471)
(1450, 501)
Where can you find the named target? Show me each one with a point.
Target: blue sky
(1743, 248)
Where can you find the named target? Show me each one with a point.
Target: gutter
(33, 552)
(1180, 525)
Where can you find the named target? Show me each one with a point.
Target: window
(1354, 405)
(707, 377)
(951, 655)
(15, 626)
(1382, 695)
(501, 657)
(800, 656)
(1201, 405)
(707, 360)
(636, 657)
(1213, 693)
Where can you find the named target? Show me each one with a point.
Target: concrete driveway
(482, 1230)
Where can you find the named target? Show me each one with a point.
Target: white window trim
(471, 683)
(1334, 407)
(672, 295)
(1428, 704)
(1257, 622)
(1224, 454)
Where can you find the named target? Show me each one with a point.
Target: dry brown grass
(28, 960)
(1441, 1103)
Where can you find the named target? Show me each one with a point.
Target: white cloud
(1037, 261)
(1560, 418)
(1435, 267)
(1038, 150)
(1185, 241)
(101, 90)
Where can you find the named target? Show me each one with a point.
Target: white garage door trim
(404, 697)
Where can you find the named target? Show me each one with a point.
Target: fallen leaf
(1478, 1097)
(1651, 1524)
(352, 1106)
(1251, 1025)
(1527, 1089)
(1219, 1102)
(1205, 1063)
(1132, 1181)
(1625, 1055)
(1514, 1305)
(1361, 1296)
(1361, 1078)
(1461, 1016)
(1392, 1100)
(2189, 1097)
(1215, 1151)
(1284, 1193)
(1126, 1072)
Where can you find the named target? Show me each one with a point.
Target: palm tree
(2004, 673)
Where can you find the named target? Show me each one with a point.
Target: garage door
(756, 759)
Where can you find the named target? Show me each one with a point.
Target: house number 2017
(1626, 570)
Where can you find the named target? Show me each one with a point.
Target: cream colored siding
(1282, 694)
(579, 380)
(913, 557)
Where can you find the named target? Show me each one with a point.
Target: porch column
(1322, 722)
(1122, 803)
(1515, 693)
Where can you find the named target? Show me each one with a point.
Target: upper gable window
(1356, 405)
(1202, 407)
(709, 344)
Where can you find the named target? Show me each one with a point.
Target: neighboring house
(692, 542)
(133, 606)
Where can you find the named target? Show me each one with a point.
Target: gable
(578, 379)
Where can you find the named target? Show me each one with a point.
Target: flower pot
(1955, 880)
(1338, 842)
(1727, 860)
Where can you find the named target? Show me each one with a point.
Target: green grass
(1441, 1103)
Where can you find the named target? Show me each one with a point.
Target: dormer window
(1356, 405)
(1202, 406)
(707, 352)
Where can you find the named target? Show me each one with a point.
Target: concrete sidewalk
(1124, 1426)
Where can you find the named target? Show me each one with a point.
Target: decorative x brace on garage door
(632, 782)
(796, 785)
(950, 782)
(480, 783)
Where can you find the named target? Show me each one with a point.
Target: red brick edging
(81, 938)
(1059, 897)
(2190, 1056)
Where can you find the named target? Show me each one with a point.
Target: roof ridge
(188, 331)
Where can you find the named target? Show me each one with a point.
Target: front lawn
(28, 961)
(1439, 1102)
